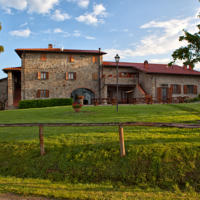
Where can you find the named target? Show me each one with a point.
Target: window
(190, 89)
(43, 57)
(95, 76)
(176, 89)
(43, 93)
(43, 75)
(71, 59)
(95, 59)
(70, 75)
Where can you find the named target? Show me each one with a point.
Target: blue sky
(137, 30)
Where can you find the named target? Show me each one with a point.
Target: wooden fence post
(42, 152)
(121, 140)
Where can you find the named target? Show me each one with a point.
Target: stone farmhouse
(64, 73)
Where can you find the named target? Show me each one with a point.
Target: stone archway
(88, 95)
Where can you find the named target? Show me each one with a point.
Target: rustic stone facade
(3, 90)
(57, 65)
(151, 82)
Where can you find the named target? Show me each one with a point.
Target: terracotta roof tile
(12, 69)
(155, 68)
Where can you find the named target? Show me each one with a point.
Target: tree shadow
(185, 108)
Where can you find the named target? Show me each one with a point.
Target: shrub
(195, 99)
(39, 103)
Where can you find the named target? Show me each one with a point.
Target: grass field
(84, 163)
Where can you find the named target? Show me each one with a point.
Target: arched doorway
(88, 95)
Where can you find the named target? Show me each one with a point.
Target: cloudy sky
(137, 30)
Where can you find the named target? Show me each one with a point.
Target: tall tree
(190, 54)
(1, 47)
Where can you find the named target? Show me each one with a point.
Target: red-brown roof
(58, 50)
(155, 68)
(12, 69)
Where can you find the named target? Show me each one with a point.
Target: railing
(144, 100)
(118, 124)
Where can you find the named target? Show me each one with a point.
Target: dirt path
(17, 197)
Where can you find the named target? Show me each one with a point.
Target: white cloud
(76, 33)
(58, 16)
(21, 33)
(24, 24)
(81, 3)
(16, 4)
(58, 30)
(159, 61)
(95, 17)
(90, 38)
(163, 39)
(99, 10)
(38, 6)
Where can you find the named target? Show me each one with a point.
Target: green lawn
(84, 162)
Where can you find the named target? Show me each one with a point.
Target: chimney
(146, 64)
(50, 46)
(184, 66)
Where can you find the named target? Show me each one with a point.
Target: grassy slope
(86, 160)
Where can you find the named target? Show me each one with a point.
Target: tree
(190, 54)
(1, 47)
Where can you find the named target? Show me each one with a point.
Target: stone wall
(146, 81)
(3, 90)
(57, 64)
(182, 80)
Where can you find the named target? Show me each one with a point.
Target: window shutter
(39, 75)
(47, 75)
(74, 75)
(179, 89)
(185, 89)
(38, 94)
(43, 57)
(47, 93)
(94, 59)
(67, 76)
(195, 89)
(95, 76)
(71, 59)
(159, 94)
(171, 89)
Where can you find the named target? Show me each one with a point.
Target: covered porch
(14, 86)
(125, 94)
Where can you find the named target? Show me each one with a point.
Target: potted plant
(76, 106)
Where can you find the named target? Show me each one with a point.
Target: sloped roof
(155, 68)
(58, 50)
(12, 69)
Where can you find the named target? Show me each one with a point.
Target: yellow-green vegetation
(85, 163)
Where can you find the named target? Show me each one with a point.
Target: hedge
(44, 103)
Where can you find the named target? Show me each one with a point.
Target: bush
(195, 99)
(44, 103)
